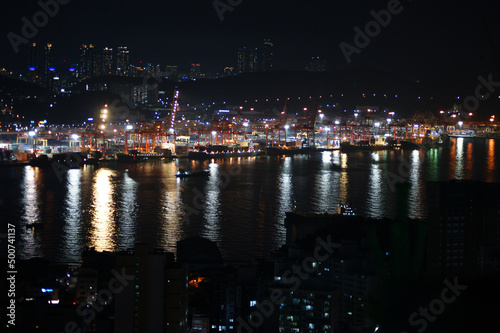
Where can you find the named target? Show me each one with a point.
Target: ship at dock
(222, 151)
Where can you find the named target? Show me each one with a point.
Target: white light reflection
(285, 197)
(128, 210)
(415, 204)
(459, 157)
(31, 214)
(212, 203)
(375, 198)
(103, 223)
(327, 187)
(73, 216)
(171, 211)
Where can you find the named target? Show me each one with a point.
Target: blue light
(71, 69)
(52, 69)
(32, 68)
(47, 290)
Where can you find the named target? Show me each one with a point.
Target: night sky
(428, 39)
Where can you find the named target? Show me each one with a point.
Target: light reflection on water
(112, 207)
(73, 228)
(30, 213)
(103, 224)
(212, 211)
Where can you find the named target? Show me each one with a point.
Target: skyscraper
(316, 64)
(195, 71)
(33, 65)
(107, 61)
(32, 57)
(267, 55)
(87, 53)
(242, 60)
(253, 60)
(122, 61)
(48, 68)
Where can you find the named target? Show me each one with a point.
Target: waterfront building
(464, 229)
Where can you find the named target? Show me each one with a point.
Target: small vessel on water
(183, 173)
(362, 145)
(209, 152)
(135, 156)
(34, 224)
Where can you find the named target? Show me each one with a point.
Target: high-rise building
(464, 228)
(87, 55)
(171, 71)
(242, 60)
(253, 60)
(32, 57)
(33, 65)
(107, 61)
(156, 299)
(267, 55)
(195, 71)
(122, 61)
(316, 64)
(97, 63)
(48, 68)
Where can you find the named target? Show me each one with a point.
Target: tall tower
(107, 61)
(316, 64)
(253, 60)
(33, 65)
(242, 60)
(87, 54)
(48, 68)
(122, 61)
(267, 55)
(195, 72)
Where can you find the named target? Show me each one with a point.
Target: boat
(184, 174)
(135, 156)
(40, 161)
(363, 145)
(34, 224)
(216, 152)
(442, 140)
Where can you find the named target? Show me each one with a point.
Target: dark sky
(428, 38)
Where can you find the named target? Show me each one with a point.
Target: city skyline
(181, 34)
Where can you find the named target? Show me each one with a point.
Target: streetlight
(127, 128)
(104, 115)
(74, 137)
(286, 127)
(32, 135)
(460, 123)
(213, 134)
